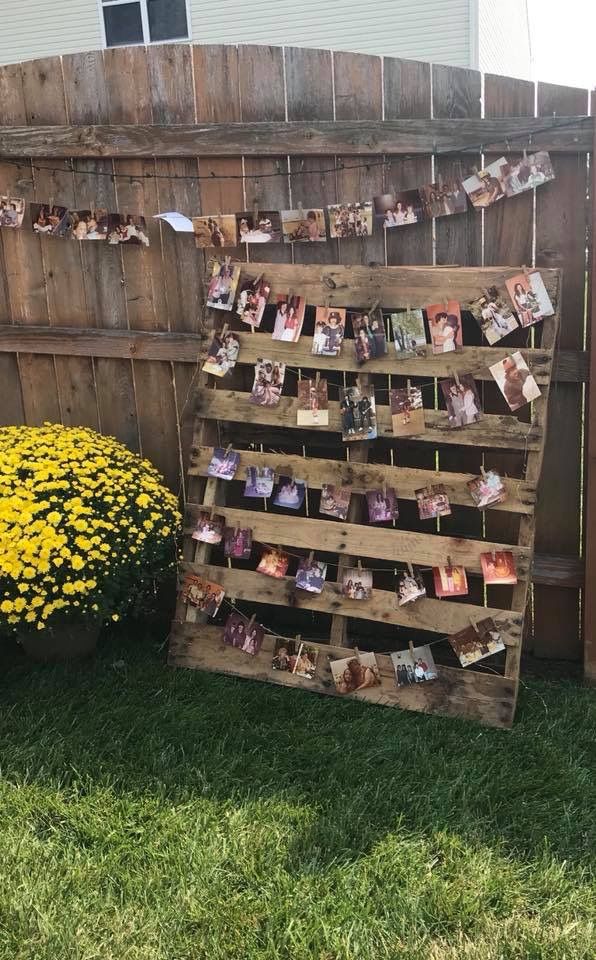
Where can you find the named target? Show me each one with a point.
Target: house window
(144, 21)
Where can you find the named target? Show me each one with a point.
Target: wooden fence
(109, 337)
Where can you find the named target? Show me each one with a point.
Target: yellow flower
(77, 562)
(29, 573)
(115, 616)
(7, 606)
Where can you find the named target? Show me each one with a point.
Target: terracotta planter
(72, 642)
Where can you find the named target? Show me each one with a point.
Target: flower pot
(73, 641)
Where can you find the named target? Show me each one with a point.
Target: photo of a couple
(355, 673)
(462, 400)
(12, 211)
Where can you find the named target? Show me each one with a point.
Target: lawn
(153, 814)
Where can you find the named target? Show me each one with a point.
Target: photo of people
(209, 529)
(498, 567)
(290, 493)
(349, 220)
(273, 563)
(409, 335)
(285, 654)
(433, 502)
(335, 501)
(300, 227)
(127, 228)
(357, 583)
(237, 542)
(493, 315)
(245, 635)
(306, 662)
(49, 221)
(252, 301)
(369, 336)
(444, 321)
(397, 211)
(223, 464)
(311, 575)
(450, 581)
(259, 482)
(222, 354)
(532, 170)
(486, 187)
(12, 211)
(269, 379)
(358, 414)
(382, 505)
(289, 318)
(215, 231)
(487, 489)
(313, 404)
(222, 286)
(462, 400)
(88, 224)
(471, 645)
(329, 331)
(444, 198)
(203, 594)
(355, 673)
(410, 587)
(266, 228)
(515, 381)
(529, 297)
(407, 412)
(416, 666)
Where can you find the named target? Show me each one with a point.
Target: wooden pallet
(222, 409)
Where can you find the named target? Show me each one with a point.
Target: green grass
(153, 814)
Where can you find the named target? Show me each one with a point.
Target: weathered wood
(559, 571)
(589, 599)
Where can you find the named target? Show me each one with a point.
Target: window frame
(146, 42)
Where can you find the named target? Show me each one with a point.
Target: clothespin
(408, 310)
(279, 548)
(224, 330)
(473, 622)
(411, 648)
(311, 557)
(456, 378)
(525, 155)
(359, 565)
(327, 308)
(494, 555)
(385, 489)
(358, 384)
(298, 641)
(236, 531)
(446, 304)
(410, 569)
(317, 378)
(300, 210)
(50, 204)
(290, 295)
(525, 270)
(228, 449)
(257, 281)
(374, 306)
(255, 213)
(482, 470)
(408, 385)
(475, 171)
(449, 564)
(440, 180)
(227, 260)
(211, 509)
(251, 621)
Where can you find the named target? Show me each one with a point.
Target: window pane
(167, 19)
(123, 24)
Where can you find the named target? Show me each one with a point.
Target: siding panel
(38, 28)
(503, 38)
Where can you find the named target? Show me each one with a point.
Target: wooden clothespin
(409, 386)
(456, 378)
(228, 449)
(211, 509)
(327, 302)
(374, 306)
(311, 558)
(257, 281)
(410, 568)
(50, 204)
(255, 213)
(279, 548)
(525, 155)
(525, 270)
(317, 378)
(411, 648)
(446, 305)
(359, 565)
(408, 310)
(227, 260)
(384, 488)
(358, 384)
(449, 564)
(494, 555)
(473, 622)
(300, 210)
(224, 330)
(482, 470)
(251, 621)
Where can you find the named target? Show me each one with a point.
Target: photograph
(433, 502)
(306, 661)
(49, 221)
(444, 322)
(274, 563)
(252, 301)
(487, 489)
(290, 493)
(350, 220)
(222, 286)
(369, 336)
(313, 404)
(88, 224)
(358, 413)
(410, 587)
(335, 501)
(531, 171)
(450, 581)
(203, 594)
(285, 654)
(399, 210)
(462, 400)
(245, 635)
(515, 381)
(498, 567)
(311, 575)
(409, 335)
(355, 673)
(289, 318)
(209, 528)
(444, 198)
(407, 412)
(12, 211)
(266, 228)
(222, 354)
(299, 226)
(268, 383)
(127, 228)
(494, 317)
(237, 542)
(223, 464)
(259, 482)
(215, 231)
(413, 666)
(486, 186)
(357, 583)
(329, 331)
(471, 645)
(382, 505)
(529, 297)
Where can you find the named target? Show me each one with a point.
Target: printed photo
(222, 354)
(313, 404)
(444, 321)
(215, 231)
(407, 412)
(409, 335)
(529, 297)
(413, 667)
(357, 583)
(222, 286)
(358, 413)
(450, 581)
(349, 220)
(88, 224)
(487, 489)
(223, 464)
(382, 505)
(493, 315)
(265, 229)
(486, 187)
(397, 211)
(433, 502)
(330, 326)
(273, 563)
(311, 575)
(203, 594)
(289, 318)
(49, 221)
(335, 501)
(306, 661)
(471, 645)
(462, 400)
(259, 482)
(410, 587)
(252, 301)
(443, 199)
(498, 567)
(269, 379)
(300, 227)
(209, 529)
(245, 635)
(369, 336)
(127, 228)
(290, 493)
(237, 542)
(285, 654)
(355, 673)
(515, 381)
(532, 170)
(12, 211)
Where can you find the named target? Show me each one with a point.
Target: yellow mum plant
(86, 527)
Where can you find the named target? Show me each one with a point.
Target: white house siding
(504, 38)
(41, 28)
